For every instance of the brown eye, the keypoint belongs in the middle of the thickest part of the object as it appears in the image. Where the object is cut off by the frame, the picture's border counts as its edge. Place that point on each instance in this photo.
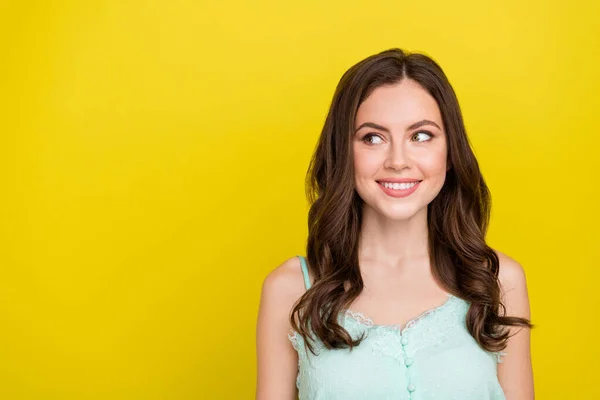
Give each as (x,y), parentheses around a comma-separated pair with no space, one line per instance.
(371,135)
(423,134)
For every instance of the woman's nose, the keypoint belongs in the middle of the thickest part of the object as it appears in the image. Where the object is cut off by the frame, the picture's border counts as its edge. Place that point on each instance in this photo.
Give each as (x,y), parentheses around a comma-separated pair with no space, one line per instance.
(397,157)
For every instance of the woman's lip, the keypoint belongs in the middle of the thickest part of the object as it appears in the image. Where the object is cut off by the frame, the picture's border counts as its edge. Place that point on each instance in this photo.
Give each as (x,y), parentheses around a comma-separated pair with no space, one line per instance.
(399,192)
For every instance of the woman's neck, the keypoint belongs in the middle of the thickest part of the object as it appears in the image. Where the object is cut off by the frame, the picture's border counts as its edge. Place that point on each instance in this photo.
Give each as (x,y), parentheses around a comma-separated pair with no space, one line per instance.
(393,242)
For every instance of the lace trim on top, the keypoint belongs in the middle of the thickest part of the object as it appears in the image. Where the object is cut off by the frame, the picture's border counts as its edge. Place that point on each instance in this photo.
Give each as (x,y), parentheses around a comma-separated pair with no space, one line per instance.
(368,322)
(498,355)
(293,336)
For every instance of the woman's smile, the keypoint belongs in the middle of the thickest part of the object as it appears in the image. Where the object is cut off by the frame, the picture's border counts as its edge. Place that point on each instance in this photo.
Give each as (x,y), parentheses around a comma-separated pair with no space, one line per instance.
(397,189)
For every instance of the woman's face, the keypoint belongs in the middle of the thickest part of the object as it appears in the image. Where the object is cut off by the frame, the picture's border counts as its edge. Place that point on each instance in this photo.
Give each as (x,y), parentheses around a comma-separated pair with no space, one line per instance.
(399,142)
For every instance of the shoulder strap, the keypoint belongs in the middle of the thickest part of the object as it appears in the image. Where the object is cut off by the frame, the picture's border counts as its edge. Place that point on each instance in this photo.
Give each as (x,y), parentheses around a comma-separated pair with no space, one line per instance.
(305,272)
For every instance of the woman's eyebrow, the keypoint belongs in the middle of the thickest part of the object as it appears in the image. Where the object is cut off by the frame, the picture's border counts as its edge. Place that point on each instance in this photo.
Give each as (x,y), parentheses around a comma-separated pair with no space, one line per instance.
(421,123)
(413,126)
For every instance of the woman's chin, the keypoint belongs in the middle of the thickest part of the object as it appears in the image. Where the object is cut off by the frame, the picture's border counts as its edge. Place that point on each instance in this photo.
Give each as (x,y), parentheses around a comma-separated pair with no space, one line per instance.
(400,214)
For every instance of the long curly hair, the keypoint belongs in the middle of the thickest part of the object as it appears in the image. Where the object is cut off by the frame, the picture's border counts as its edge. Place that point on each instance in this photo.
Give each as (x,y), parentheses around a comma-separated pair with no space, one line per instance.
(457,218)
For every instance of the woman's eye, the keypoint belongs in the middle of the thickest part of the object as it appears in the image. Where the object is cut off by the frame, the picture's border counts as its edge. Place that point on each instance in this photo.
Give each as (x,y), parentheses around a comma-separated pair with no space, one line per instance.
(423,135)
(367,139)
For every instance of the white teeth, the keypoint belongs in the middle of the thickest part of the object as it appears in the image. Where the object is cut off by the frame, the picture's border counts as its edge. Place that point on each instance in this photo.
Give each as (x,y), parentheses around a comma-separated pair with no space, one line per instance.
(399,186)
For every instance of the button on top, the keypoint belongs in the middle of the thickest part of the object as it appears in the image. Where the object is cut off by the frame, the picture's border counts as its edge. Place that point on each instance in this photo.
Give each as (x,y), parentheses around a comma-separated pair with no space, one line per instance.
(404,340)
(411,387)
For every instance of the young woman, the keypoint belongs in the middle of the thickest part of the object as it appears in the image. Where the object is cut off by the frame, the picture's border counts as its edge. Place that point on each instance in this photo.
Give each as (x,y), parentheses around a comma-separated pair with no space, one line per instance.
(399,296)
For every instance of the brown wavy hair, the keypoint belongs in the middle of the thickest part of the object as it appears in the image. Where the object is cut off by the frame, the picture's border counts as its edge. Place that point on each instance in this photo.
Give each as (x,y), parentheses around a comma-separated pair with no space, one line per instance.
(457,218)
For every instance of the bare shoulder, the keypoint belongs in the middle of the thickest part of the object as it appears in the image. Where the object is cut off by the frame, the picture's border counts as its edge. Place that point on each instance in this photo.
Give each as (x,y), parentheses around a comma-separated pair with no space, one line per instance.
(515,372)
(511,273)
(513,283)
(284,284)
(277,361)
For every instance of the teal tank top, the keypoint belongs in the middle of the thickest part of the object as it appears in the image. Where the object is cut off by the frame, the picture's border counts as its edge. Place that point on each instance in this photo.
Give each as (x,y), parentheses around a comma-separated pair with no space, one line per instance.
(433,357)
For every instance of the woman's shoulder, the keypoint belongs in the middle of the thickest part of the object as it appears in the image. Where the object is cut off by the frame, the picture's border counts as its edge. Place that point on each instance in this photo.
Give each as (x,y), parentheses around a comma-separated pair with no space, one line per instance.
(284,285)
(513,286)
(511,273)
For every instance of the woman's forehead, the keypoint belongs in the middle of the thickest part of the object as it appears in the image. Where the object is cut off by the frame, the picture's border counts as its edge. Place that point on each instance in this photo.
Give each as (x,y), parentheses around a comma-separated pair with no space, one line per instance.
(398,105)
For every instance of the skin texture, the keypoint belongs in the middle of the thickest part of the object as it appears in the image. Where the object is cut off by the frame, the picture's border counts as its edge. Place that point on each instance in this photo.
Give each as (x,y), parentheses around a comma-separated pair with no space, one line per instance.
(393,252)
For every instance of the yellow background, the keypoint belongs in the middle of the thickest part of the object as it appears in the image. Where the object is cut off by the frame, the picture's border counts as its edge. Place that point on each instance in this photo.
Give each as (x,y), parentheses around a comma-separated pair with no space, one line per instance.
(152,167)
